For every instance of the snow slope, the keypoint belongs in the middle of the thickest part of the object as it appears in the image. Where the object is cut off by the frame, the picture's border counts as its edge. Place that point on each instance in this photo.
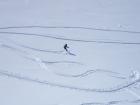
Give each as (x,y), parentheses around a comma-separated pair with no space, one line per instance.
(102,35)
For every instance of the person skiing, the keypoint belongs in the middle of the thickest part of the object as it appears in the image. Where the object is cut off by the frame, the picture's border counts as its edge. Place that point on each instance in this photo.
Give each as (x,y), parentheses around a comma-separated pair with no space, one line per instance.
(66,47)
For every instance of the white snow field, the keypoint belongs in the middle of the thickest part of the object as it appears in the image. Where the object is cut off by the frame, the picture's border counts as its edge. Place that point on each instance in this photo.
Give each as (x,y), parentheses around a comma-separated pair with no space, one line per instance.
(101,66)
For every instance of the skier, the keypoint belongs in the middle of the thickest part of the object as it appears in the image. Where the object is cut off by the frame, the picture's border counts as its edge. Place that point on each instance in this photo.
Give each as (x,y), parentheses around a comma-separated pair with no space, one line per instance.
(66,47)
(68,52)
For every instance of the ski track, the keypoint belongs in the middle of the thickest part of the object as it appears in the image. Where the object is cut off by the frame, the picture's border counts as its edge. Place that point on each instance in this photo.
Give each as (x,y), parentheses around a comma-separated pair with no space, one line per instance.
(57,62)
(113,102)
(90,72)
(34,58)
(105,90)
(84,74)
(69,39)
(31,48)
(71,27)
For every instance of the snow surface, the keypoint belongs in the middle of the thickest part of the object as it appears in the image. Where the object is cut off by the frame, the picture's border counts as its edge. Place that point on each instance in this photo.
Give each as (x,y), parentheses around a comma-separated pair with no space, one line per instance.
(104,41)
